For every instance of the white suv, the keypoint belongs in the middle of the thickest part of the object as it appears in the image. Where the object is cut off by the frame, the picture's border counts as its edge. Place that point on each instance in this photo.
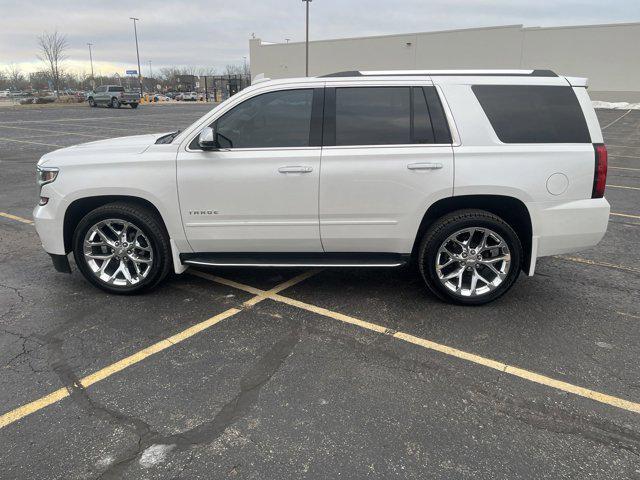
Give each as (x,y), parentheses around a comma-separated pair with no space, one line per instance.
(472,174)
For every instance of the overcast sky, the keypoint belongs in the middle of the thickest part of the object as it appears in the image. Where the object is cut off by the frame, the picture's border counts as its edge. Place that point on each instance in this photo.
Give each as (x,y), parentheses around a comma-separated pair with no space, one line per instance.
(213,33)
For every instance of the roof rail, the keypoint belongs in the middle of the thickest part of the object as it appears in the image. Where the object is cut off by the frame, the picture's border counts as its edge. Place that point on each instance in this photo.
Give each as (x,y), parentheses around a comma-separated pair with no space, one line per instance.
(453,73)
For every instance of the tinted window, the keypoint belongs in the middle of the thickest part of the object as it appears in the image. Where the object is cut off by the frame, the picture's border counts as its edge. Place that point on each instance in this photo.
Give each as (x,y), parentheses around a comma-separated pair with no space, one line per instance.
(373,116)
(438,119)
(533,114)
(275,119)
(422,130)
(101,89)
(116,89)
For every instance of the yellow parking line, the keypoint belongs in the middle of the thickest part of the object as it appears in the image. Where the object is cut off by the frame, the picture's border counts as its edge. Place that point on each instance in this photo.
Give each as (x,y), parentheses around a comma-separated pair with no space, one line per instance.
(624,168)
(623,186)
(33,143)
(16,218)
(626,215)
(447,350)
(137,357)
(598,263)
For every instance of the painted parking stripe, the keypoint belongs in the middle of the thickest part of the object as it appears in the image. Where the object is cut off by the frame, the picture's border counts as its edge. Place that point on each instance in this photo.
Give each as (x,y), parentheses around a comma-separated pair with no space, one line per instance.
(624,168)
(623,156)
(625,314)
(623,186)
(52,131)
(85,382)
(16,218)
(586,261)
(625,215)
(32,143)
(617,119)
(447,350)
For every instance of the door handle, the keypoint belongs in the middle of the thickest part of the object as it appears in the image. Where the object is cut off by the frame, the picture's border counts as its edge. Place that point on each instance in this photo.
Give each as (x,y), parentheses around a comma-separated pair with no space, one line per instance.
(295,169)
(424,166)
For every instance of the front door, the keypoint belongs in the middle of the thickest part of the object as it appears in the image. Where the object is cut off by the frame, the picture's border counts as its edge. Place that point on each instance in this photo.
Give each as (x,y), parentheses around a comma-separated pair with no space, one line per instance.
(387,158)
(259,191)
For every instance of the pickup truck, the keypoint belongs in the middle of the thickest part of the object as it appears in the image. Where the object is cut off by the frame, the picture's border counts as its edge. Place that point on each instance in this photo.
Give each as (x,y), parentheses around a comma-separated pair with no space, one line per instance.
(113,96)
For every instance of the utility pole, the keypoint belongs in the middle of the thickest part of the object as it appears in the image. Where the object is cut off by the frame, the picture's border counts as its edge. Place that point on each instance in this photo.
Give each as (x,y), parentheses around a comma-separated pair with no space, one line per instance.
(150,70)
(93,80)
(135,31)
(306,44)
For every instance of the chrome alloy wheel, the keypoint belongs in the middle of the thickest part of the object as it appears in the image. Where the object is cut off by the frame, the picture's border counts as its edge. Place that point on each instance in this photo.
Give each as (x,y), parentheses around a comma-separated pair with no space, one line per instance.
(473,262)
(118,252)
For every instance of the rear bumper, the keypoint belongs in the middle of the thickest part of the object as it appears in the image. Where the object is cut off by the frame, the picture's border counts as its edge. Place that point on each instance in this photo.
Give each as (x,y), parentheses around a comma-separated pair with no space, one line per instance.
(568,227)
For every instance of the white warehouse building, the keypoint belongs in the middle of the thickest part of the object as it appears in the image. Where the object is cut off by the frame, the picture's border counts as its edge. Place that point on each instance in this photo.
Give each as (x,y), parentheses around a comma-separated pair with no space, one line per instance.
(606,54)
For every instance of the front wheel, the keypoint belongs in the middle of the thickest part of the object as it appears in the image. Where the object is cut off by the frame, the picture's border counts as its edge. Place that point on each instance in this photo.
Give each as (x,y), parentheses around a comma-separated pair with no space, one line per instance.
(115,103)
(92,102)
(122,248)
(470,257)
(134,105)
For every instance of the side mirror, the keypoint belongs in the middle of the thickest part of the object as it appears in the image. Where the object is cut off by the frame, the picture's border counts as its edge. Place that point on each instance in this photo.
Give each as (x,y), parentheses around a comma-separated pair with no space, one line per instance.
(207,139)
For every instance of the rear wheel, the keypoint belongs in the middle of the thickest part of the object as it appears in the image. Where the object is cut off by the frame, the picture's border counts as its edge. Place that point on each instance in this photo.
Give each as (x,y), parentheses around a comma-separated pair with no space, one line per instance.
(134,105)
(122,248)
(470,257)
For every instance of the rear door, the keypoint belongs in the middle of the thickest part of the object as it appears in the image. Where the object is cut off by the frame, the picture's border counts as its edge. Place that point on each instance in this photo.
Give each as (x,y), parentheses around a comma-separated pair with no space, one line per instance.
(387,156)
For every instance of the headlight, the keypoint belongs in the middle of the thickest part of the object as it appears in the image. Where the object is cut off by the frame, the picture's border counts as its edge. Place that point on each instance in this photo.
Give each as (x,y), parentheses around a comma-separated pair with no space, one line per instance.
(46,175)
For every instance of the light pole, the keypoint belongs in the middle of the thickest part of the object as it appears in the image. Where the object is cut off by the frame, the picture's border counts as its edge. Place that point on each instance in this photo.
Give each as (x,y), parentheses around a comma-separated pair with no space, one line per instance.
(135,31)
(93,80)
(306,43)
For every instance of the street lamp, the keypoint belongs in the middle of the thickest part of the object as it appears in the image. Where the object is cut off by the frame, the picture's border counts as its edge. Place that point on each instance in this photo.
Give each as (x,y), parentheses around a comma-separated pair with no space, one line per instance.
(93,80)
(135,31)
(306,44)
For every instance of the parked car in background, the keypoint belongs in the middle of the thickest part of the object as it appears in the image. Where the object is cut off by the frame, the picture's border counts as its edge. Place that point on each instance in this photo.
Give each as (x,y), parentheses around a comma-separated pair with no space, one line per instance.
(113,96)
(189,97)
(354,169)
(5,93)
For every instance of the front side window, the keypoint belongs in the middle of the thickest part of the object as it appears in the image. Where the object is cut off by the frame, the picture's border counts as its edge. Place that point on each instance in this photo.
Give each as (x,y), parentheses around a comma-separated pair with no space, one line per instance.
(270,120)
(101,89)
(116,89)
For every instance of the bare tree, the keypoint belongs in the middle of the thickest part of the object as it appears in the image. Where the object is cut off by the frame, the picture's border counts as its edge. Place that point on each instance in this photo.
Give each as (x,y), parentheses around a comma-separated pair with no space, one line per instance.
(53,47)
(15,77)
(233,70)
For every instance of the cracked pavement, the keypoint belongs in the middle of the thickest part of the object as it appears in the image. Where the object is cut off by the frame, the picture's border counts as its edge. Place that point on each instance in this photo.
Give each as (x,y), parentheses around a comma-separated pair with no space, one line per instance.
(276,392)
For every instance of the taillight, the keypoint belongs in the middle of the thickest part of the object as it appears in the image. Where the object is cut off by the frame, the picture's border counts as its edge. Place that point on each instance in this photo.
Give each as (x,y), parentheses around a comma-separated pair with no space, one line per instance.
(600,172)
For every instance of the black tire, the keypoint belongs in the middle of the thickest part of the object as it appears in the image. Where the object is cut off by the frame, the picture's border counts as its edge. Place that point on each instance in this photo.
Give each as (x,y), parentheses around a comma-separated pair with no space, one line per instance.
(448,225)
(152,227)
(92,102)
(115,103)
(134,105)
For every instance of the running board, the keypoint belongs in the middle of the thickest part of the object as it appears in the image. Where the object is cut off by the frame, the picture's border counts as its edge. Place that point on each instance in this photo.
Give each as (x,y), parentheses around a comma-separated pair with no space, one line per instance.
(295,259)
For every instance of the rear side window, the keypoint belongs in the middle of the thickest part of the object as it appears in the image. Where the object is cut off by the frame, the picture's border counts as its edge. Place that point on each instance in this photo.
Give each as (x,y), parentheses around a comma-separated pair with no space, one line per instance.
(116,89)
(533,113)
(384,116)
(373,116)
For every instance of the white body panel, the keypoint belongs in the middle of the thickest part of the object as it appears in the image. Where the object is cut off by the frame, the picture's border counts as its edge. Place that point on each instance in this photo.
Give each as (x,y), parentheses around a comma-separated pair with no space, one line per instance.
(239,201)
(370,201)
(351,199)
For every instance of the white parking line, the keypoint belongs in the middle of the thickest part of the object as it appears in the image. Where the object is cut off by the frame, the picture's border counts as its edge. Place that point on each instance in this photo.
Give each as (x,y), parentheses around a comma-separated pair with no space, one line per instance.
(32,143)
(617,120)
(623,186)
(52,131)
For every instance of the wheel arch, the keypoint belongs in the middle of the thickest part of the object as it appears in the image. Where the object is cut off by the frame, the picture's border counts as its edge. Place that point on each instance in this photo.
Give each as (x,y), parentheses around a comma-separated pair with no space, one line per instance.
(81,206)
(510,209)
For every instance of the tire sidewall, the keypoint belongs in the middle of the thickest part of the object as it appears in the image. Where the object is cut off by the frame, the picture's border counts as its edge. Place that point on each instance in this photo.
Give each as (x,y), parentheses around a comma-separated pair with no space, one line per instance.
(430,251)
(78,250)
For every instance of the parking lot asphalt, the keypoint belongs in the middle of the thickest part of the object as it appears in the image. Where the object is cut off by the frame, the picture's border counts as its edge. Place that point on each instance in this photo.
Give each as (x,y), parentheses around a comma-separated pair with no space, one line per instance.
(276,373)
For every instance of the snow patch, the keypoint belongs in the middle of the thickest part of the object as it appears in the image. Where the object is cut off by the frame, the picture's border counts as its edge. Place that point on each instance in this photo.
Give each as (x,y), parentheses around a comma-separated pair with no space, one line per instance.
(616,105)
(155,454)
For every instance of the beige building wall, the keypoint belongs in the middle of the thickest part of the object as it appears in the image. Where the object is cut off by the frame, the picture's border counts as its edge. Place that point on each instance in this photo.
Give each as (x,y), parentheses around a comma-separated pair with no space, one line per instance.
(606,54)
